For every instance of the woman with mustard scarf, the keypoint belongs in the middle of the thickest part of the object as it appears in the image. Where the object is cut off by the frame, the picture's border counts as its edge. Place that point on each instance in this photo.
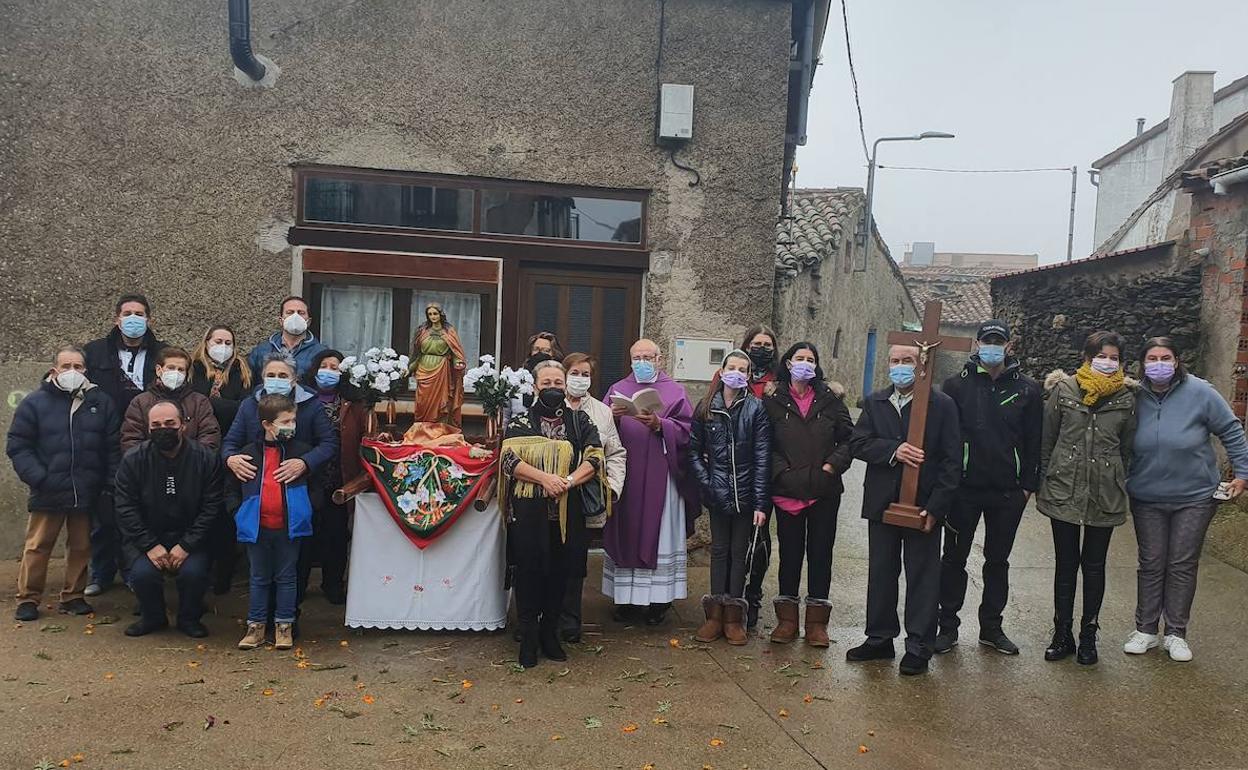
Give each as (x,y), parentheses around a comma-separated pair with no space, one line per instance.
(1089,430)
(552,472)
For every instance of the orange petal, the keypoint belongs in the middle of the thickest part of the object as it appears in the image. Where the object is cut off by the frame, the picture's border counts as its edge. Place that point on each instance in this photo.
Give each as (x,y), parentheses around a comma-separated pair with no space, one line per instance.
(519,700)
(659,721)
(467,683)
(862,749)
(110,677)
(267,692)
(344,643)
(674,643)
(79,757)
(808,699)
(360,685)
(717,742)
(556,737)
(631,727)
(319,702)
(784,713)
(303,664)
(370,700)
(63,763)
(192,664)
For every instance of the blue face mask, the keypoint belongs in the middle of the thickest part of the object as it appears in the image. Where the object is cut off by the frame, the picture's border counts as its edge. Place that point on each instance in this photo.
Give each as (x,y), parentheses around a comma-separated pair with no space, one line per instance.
(992,355)
(327,379)
(133,326)
(901,375)
(276,386)
(644,371)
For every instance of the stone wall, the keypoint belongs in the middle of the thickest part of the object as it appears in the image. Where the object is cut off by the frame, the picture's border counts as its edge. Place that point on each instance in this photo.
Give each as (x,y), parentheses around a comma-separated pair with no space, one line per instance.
(1219,223)
(134,161)
(1141,294)
(825,297)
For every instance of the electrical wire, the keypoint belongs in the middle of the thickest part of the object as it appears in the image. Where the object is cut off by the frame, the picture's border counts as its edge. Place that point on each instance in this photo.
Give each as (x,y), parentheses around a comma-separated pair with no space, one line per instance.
(697,176)
(977,170)
(853,77)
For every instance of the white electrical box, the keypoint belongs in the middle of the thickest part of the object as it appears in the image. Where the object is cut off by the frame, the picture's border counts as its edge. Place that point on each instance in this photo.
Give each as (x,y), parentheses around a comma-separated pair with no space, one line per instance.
(676,112)
(699,359)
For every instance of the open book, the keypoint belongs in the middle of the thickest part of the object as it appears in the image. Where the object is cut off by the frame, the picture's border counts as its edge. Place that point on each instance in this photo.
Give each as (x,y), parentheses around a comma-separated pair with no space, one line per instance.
(644,401)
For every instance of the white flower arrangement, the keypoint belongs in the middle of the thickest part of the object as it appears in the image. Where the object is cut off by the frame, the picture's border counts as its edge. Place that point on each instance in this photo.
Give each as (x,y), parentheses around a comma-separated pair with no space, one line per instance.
(496,389)
(379,373)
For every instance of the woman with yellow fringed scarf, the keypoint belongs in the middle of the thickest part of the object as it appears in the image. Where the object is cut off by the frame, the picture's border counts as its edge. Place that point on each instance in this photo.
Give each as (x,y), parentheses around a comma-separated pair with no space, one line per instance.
(552,471)
(1089,431)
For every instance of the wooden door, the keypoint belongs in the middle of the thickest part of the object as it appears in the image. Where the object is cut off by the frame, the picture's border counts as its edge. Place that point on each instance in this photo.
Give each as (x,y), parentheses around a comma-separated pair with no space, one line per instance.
(596,312)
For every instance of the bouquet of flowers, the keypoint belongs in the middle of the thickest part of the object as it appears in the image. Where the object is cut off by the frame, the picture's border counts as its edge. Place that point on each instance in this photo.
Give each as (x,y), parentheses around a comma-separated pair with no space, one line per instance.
(497,389)
(379,374)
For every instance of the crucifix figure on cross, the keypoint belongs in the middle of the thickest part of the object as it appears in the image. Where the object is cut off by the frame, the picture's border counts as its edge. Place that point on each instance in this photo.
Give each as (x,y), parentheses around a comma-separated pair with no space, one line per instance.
(904,512)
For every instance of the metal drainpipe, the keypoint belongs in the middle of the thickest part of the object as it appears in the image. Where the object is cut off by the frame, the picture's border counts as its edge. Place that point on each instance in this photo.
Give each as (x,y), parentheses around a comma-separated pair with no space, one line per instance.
(240,41)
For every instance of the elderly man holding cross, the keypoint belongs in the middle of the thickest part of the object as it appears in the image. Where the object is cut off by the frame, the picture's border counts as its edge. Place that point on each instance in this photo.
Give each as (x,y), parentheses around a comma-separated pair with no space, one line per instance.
(908,435)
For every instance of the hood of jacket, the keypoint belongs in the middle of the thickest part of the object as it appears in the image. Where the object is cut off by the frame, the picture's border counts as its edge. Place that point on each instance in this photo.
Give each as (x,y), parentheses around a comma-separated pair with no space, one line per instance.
(1059,376)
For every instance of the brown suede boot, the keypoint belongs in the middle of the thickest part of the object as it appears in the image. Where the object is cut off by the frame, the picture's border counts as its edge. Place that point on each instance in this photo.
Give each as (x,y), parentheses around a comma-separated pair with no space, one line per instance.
(254,637)
(734,620)
(713,628)
(786,620)
(817,614)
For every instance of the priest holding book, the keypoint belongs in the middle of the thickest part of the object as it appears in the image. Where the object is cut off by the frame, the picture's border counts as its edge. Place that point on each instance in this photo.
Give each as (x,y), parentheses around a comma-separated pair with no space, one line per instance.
(644,568)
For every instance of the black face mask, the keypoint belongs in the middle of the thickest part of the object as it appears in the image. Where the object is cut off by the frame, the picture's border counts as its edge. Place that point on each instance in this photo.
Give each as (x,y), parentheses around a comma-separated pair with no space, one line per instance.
(762,357)
(165,439)
(536,359)
(550,400)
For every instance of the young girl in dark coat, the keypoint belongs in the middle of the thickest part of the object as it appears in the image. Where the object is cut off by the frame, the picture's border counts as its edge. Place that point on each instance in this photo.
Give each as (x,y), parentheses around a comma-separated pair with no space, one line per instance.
(730,455)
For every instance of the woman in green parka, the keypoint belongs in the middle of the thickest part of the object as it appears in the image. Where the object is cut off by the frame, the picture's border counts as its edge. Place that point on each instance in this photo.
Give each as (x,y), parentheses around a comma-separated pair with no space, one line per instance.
(1089,429)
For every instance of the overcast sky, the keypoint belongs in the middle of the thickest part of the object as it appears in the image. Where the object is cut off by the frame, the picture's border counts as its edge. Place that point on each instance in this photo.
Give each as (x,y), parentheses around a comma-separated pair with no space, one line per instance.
(1022,84)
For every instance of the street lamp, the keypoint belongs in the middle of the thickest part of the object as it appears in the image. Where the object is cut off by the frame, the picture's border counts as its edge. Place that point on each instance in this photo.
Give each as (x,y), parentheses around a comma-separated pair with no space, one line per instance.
(864,231)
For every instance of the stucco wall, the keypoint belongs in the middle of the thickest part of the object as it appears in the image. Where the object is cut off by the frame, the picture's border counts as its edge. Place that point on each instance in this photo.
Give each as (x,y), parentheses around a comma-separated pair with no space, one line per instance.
(133,160)
(821,299)
(1125,183)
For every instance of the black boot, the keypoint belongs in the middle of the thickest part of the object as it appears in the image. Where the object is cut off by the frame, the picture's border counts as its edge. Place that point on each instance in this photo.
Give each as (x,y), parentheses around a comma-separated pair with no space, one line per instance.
(1063,644)
(528,644)
(1087,644)
(548,639)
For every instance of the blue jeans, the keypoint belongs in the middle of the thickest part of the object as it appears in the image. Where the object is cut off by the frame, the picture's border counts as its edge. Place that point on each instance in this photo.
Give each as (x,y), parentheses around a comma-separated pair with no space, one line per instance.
(274,561)
(105,544)
(149,586)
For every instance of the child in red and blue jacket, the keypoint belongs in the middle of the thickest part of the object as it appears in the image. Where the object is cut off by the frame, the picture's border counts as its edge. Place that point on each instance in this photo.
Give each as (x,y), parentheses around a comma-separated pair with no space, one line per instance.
(276,512)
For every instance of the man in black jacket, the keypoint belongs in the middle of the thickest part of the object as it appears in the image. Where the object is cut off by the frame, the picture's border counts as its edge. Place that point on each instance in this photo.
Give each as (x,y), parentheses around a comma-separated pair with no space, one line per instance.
(168,494)
(122,364)
(63,444)
(880,441)
(1000,411)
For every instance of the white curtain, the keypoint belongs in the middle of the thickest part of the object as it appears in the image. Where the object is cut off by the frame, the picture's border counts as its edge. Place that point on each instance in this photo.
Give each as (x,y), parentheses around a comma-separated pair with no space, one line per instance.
(462,310)
(356,318)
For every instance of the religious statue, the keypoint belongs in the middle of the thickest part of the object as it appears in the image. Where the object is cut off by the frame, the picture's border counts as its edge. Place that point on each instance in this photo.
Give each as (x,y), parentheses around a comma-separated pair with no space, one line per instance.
(438,366)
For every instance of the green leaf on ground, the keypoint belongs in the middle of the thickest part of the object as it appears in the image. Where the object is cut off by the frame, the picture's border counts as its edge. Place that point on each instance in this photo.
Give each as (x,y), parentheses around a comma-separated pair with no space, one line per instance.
(664,706)
(429,722)
(41,655)
(593,723)
(52,629)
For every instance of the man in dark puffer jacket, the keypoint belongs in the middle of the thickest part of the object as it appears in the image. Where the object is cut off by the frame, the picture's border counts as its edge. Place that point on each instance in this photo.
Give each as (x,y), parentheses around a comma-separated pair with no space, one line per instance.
(64,445)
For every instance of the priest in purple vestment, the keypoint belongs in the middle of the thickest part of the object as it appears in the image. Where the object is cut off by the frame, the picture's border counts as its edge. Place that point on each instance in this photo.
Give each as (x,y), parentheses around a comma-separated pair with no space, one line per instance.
(645,538)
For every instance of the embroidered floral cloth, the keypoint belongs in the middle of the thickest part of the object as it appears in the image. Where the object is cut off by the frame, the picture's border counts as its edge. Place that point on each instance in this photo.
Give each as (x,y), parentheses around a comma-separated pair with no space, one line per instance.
(425,489)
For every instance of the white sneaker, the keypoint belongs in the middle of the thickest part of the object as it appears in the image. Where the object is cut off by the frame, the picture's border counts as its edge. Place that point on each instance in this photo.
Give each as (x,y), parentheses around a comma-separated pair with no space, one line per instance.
(1178,649)
(93,589)
(1140,643)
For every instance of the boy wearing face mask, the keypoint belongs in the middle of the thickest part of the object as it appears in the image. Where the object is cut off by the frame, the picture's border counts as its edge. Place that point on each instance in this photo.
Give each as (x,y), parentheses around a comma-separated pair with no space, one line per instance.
(1001,414)
(63,445)
(173,367)
(271,520)
(294,339)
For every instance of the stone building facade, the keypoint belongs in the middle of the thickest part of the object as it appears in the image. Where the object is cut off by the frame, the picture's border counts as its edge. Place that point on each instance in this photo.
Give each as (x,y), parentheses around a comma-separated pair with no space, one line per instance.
(830,292)
(501,155)
(1138,293)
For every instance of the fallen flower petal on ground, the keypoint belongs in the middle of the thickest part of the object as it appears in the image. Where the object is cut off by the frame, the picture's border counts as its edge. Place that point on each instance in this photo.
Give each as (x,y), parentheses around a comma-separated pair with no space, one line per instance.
(717,741)
(862,749)
(631,727)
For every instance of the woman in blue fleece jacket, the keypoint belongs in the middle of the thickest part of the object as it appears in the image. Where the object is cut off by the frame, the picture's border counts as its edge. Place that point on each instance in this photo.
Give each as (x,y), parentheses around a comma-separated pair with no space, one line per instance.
(1174,474)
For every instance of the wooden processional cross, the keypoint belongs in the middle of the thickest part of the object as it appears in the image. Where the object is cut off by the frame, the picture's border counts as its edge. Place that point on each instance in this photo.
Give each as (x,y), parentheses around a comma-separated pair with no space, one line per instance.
(904,512)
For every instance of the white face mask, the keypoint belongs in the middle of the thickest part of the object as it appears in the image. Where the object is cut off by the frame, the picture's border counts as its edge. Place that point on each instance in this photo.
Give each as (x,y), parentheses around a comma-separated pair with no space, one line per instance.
(295,324)
(172,378)
(70,380)
(578,385)
(221,353)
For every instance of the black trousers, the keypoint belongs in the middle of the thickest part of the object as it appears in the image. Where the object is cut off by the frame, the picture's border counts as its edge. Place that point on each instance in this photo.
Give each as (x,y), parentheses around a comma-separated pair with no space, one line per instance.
(759,564)
(888,549)
(1072,556)
(1001,511)
(540,580)
(810,534)
(328,547)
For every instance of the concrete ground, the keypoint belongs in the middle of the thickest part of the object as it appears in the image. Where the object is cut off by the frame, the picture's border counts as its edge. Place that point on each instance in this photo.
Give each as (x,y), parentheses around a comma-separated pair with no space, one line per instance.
(630,697)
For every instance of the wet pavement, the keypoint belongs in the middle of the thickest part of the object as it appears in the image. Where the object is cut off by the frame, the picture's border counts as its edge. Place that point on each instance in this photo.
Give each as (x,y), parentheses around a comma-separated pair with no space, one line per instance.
(633,697)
